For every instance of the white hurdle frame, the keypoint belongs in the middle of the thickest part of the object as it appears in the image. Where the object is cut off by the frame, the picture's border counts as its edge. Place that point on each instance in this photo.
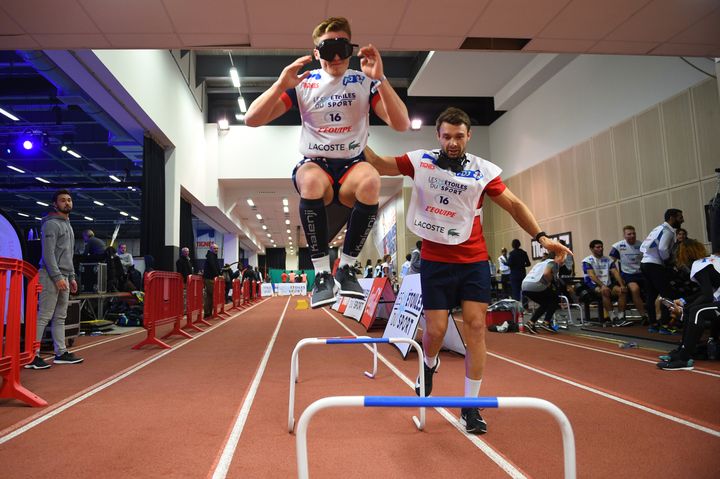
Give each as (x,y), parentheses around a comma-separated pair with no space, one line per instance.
(568,437)
(295,367)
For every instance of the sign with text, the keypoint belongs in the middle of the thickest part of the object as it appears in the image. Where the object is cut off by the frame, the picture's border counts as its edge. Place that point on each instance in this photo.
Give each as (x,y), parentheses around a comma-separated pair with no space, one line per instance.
(381,295)
(355,308)
(406,312)
(538,251)
(266,290)
(291,289)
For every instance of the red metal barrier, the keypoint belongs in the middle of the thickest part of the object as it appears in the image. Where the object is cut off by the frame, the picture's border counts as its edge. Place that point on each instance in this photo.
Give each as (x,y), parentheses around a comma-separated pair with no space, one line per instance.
(11,357)
(246,291)
(194,302)
(218,306)
(258,292)
(237,299)
(163,305)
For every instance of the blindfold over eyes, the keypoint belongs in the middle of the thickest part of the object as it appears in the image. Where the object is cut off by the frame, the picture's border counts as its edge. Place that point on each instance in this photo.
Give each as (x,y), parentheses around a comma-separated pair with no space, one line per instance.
(331,47)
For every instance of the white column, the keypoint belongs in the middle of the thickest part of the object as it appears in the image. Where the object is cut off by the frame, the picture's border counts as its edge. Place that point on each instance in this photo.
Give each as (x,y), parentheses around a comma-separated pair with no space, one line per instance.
(230,248)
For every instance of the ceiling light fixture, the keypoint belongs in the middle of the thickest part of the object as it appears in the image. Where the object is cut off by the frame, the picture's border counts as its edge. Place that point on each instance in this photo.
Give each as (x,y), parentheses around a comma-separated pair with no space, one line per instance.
(15,169)
(287,222)
(269,235)
(42,180)
(115,178)
(9,115)
(124,214)
(88,218)
(264,227)
(286,209)
(64,148)
(24,215)
(415,124)
(72,153)
(135,218)
(250,202)
(241,104)
(234,75)
(98,203)
(285,201)
(41,203)
(258,216)
(223,124)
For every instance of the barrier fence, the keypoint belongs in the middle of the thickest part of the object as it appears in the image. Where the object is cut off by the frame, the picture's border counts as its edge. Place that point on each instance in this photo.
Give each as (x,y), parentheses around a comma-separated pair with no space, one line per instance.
(163,305)
(194,302)
(456,402)
(12,358)
(295,367)
(218,303)
(237,298)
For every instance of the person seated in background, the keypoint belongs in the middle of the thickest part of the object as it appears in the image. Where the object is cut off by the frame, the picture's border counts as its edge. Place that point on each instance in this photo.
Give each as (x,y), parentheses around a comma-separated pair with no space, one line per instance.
(627,253)
(688,252)
(541,286)
(125,258)
(604,282)
(704,306)
(94,246)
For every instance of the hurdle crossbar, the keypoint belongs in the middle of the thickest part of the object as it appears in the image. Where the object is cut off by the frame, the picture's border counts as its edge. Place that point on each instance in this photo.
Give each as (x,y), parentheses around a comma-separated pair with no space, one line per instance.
(455,402)
(295,367)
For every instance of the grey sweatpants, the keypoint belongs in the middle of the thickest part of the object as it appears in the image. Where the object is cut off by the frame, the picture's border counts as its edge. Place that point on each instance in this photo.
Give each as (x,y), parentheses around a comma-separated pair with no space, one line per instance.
(53,305)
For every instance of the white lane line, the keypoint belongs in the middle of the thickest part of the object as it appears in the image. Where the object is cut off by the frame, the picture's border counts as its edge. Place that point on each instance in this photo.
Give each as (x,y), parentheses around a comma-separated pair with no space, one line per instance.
(495,456)
(92,390)
(226,457)
(612,353)
(612,397)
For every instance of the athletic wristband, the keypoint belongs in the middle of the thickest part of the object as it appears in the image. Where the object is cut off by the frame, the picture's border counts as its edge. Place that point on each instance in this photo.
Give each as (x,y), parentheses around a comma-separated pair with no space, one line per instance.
(381,79)
(540,235)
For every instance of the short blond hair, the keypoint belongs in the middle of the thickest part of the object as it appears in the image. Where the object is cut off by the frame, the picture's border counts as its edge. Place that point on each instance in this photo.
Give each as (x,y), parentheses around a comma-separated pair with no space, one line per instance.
(332,24)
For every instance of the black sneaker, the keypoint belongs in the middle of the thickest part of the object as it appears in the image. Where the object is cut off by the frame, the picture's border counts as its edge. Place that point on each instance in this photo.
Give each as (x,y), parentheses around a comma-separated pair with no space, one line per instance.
(530,327)
(349,285)
(324,290)
(551,328)
(677,365)
(428,378)
(37,363)
(67,358)
(472,420)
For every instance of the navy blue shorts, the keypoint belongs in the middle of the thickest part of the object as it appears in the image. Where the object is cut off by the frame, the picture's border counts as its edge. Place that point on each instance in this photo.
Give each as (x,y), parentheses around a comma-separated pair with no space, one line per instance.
(633,278)
(335,168)
(446,285)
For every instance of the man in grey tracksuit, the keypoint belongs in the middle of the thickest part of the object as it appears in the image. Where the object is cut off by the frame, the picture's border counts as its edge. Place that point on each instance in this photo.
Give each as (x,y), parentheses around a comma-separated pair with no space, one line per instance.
(57,278)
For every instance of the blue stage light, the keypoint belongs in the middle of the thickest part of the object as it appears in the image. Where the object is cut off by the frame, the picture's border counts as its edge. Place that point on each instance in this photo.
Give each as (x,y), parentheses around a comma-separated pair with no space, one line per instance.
(27,144)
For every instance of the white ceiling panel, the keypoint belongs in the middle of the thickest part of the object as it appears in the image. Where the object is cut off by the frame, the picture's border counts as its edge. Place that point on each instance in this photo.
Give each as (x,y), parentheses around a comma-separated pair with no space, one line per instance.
(39,16)
(128,16)
(433,18)
(364,16)
(623,48)
(144,40)
(72,41)
(559,45)
(8,25)
(662,19)
(515,18)
(683,49)
(418,42)
(18,42)
(269,40)
(707,30)
(590,19)
(282,17)
(467,73)
(208,16)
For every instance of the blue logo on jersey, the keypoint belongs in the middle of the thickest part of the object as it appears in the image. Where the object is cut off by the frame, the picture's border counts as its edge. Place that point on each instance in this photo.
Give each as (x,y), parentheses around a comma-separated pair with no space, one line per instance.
(474,174)
(314,76)
(353,79)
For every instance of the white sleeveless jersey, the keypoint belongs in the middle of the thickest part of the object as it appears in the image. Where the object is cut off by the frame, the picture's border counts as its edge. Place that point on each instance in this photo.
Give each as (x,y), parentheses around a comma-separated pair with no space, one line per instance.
(334,112)
(697,266)
(535,279)
(630,256)
(658,245)
(601,266)
(443,204)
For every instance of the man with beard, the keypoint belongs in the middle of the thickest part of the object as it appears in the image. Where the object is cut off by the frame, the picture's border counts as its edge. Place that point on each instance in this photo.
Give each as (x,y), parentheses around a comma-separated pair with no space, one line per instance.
(655,267)
(57,278)
(449,186)
(334,102)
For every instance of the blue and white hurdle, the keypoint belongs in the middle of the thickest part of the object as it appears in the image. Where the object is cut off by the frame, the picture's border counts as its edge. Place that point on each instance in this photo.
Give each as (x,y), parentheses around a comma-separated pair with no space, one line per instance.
(455,402)
(295,367)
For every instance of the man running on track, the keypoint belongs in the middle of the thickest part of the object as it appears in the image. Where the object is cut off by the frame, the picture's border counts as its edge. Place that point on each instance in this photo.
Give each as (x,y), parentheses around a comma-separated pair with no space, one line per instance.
(334,103)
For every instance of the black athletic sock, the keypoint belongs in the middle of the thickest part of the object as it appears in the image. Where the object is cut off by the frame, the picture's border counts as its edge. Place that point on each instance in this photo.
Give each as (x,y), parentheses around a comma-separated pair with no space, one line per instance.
(314,220)
(362,219)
